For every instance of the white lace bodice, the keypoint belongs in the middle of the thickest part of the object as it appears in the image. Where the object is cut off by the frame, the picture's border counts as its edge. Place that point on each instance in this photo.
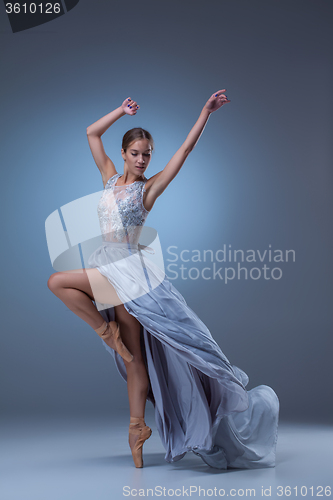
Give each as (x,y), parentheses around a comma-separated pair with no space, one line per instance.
(121,212)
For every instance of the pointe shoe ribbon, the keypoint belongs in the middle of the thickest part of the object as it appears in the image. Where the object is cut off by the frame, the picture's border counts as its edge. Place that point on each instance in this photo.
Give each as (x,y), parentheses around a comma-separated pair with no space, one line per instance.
(138,426)
(111,331)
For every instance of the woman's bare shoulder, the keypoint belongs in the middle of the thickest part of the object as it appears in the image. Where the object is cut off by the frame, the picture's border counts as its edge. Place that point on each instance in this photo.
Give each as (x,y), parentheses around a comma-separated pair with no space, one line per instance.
(107,178)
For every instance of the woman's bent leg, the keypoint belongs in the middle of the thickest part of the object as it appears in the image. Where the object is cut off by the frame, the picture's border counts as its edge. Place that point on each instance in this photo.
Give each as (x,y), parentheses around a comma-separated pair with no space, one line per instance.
(77,289)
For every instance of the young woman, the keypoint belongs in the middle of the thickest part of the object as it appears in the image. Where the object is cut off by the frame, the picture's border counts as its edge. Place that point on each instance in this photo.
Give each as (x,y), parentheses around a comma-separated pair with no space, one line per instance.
(161,347)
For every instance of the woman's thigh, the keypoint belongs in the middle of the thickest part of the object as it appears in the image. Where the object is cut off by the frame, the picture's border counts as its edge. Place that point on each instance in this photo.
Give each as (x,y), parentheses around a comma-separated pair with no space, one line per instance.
(89,281)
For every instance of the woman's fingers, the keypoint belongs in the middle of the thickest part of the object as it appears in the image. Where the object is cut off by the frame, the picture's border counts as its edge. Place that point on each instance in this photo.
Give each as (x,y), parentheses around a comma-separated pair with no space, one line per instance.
(216,100)
(220,97)
(132,106)
(218,93)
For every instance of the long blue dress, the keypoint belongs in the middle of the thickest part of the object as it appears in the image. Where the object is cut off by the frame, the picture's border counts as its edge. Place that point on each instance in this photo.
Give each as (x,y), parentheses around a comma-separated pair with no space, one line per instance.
(200,400)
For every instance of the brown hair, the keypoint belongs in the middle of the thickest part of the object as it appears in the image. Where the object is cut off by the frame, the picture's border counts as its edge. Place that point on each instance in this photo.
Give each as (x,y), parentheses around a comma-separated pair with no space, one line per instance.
(136,134)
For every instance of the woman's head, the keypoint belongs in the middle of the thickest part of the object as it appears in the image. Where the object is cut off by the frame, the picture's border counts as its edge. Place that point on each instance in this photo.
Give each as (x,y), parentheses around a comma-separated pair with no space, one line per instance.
(137,147)
(134,135)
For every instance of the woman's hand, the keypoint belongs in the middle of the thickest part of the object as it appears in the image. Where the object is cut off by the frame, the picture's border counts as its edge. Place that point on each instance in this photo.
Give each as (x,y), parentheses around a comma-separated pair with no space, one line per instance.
(216,101)
(129,106)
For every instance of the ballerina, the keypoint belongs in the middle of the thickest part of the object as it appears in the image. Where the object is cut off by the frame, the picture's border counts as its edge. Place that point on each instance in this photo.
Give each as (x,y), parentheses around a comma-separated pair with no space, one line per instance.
(155,337)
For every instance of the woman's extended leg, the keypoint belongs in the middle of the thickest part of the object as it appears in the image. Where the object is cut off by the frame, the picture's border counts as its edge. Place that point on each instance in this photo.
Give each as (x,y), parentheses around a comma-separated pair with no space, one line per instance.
(137,378)
(137,382)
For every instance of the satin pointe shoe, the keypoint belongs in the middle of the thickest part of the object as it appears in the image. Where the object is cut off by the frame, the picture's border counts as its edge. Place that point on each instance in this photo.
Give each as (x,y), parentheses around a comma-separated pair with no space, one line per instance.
(137,426)
(110,331)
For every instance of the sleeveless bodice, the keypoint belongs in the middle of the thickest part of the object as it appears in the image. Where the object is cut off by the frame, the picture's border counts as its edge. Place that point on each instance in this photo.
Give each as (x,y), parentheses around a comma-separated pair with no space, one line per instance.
(121,212)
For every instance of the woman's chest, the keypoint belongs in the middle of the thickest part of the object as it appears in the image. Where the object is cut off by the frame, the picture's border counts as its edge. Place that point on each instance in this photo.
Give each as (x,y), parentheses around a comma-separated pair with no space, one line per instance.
(127,206)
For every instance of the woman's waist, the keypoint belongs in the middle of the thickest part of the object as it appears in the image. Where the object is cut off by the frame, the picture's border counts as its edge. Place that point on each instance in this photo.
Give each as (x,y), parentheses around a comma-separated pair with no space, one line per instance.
(128,245)
(120,244)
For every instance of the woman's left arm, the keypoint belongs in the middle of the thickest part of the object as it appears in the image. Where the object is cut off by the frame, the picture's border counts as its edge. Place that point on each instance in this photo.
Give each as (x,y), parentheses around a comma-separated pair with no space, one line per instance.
(158,183)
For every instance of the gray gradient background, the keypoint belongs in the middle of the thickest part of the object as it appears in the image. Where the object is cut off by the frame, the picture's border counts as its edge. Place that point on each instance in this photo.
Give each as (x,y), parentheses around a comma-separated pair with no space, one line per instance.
(261,174)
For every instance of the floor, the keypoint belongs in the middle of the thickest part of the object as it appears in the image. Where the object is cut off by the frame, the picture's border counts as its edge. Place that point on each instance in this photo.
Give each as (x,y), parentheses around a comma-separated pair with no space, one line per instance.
(89,459)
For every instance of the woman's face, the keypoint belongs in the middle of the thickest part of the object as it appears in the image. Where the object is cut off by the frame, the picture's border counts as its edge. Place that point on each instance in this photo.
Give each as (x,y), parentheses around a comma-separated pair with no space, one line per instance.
(137,156)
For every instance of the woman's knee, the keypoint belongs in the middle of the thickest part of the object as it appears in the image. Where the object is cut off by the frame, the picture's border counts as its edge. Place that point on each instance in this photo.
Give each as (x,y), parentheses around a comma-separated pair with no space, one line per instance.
(137,373)
(54,281)
(137,365)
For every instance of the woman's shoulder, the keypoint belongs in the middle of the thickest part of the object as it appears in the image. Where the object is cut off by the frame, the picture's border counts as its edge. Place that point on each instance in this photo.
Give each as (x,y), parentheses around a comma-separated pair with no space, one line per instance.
(111,180)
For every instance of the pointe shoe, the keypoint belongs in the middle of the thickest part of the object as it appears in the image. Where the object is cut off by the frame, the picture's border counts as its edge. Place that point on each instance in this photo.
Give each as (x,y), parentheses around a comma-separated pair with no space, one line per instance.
(110,331)
(137,426)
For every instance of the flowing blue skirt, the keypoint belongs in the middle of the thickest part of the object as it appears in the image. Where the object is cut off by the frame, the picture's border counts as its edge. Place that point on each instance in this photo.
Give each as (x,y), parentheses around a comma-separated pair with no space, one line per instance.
(200,400)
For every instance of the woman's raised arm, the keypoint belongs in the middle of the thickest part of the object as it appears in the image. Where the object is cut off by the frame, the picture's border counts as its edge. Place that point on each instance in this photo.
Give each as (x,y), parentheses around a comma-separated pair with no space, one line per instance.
(157,184)
(97,129)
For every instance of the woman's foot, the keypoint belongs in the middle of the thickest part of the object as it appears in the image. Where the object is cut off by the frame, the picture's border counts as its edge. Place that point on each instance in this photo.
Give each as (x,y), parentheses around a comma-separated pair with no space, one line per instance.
(139,432)
(110,333)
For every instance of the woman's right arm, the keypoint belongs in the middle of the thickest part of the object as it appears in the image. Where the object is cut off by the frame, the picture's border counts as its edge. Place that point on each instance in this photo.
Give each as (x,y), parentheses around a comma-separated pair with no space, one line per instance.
(97,129)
